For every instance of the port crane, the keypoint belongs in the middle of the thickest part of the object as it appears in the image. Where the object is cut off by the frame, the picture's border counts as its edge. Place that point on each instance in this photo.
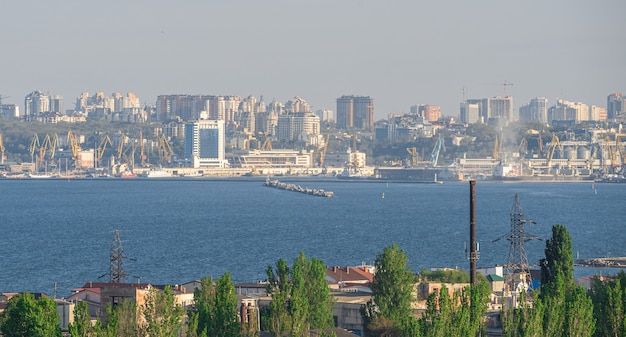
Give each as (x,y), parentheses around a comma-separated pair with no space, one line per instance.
(413,153)
(102,148)
(324,150)
(2,150)
(554,144)
(165,150)
(34,146)
(439,145)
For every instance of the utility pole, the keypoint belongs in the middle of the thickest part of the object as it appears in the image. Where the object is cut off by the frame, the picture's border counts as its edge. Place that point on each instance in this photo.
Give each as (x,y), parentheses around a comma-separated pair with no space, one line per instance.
(473,253)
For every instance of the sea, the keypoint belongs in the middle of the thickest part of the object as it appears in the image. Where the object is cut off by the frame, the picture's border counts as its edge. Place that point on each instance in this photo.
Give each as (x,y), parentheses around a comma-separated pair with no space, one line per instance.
(57,234)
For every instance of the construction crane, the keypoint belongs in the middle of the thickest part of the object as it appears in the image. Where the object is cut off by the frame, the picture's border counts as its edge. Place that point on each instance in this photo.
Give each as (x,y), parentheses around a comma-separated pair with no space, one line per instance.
(3,97)
(413,153)
(2,150)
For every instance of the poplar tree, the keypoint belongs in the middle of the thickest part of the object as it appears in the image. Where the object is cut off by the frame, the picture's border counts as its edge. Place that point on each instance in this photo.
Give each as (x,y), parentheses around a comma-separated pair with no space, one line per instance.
(81,327)
(25,316)
(215,312)
(162,314)
(393,283)
(609,298)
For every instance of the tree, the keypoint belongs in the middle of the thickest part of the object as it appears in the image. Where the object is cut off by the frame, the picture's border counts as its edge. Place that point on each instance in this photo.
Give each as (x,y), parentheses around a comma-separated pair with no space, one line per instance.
(25,316)
(215,312)
(609,301)
(393,283)
(559,257)
(564,308)
(279,288)
(81,327)
(162,314)
(321,302)
(122,320)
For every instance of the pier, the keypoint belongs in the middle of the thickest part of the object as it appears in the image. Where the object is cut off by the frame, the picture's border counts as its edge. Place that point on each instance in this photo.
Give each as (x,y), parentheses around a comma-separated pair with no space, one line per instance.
(615,262)
(297,188)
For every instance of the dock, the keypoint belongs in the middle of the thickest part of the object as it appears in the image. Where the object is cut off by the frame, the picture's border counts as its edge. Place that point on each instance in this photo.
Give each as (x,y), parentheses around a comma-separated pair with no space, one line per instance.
(297,188)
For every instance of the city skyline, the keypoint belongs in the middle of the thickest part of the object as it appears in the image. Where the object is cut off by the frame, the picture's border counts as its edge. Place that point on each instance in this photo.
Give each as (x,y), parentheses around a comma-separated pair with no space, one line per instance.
(399,53)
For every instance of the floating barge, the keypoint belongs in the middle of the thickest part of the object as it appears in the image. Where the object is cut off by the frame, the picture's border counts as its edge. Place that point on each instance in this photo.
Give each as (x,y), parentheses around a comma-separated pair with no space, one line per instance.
(297,188)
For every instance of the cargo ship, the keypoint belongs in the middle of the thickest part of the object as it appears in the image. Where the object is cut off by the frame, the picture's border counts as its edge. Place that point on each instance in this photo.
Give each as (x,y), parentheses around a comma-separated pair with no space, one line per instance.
(418,174)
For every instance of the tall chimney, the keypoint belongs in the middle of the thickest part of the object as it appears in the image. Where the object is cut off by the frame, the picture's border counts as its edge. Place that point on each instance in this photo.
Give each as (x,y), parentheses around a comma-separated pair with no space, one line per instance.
(473,255)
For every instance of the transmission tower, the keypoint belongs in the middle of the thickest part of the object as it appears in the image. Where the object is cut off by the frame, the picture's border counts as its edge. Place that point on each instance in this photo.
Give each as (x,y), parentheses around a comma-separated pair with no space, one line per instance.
(117,257)
(518,276)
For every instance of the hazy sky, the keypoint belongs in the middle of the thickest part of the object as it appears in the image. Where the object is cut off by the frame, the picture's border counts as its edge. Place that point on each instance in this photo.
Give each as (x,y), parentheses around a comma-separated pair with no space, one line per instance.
(399,52)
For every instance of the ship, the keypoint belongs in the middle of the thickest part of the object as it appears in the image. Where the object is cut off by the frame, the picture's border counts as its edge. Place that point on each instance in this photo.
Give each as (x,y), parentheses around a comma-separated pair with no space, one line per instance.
(157,174)
(417,174)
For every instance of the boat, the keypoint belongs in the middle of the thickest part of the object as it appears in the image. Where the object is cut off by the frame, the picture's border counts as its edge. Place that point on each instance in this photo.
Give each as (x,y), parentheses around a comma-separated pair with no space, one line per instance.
(127,175)
(39,176)
(157,174)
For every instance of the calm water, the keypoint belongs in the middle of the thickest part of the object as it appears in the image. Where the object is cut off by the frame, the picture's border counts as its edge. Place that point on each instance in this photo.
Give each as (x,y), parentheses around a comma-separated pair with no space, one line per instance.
(179,230)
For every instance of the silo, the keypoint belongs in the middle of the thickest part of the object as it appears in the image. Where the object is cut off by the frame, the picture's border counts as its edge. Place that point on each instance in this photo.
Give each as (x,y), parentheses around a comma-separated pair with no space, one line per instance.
(584,153)
(570,152)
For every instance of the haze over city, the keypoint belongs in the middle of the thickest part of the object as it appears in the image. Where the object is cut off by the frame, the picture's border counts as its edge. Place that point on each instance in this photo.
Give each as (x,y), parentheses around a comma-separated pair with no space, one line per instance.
(400,53)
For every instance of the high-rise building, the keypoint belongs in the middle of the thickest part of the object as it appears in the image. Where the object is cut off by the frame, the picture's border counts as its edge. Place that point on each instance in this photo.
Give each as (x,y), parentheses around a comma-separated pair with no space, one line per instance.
(35,104)
(355,112)
(298,126)
(10,110)
(569,111)
(205,142)
(615,106)
(535,111)
(500,108)
(469,113)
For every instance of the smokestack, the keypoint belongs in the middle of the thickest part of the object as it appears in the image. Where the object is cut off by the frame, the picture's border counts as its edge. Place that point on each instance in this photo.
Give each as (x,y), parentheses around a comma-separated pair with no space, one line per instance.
(473,255)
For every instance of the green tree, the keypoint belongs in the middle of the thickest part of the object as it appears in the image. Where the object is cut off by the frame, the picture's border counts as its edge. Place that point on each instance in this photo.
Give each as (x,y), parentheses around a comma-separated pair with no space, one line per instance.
(162,314)
(279,287)
(81,327)
(321,302)
(559,258)
(215,312)
(25,316)
(393,283)
(121,320)
(564,308)
(610,305)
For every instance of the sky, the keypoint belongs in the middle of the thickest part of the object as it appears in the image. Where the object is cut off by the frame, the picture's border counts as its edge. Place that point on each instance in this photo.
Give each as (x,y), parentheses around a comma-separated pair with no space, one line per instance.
(399,52)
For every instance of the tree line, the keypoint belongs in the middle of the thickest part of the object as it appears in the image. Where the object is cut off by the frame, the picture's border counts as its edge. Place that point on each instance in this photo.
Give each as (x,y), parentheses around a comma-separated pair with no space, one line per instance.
(301,301)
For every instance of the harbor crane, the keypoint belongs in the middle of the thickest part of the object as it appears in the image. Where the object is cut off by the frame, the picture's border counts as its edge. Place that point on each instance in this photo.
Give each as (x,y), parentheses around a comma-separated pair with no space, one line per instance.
(34,146)
(165,150)
(413,153)
(2,150)
(102,148)
(324,150)
(439,145)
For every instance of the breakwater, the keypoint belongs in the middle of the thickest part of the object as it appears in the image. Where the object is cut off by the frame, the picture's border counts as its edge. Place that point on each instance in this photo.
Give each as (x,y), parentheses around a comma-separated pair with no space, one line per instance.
(297,188)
